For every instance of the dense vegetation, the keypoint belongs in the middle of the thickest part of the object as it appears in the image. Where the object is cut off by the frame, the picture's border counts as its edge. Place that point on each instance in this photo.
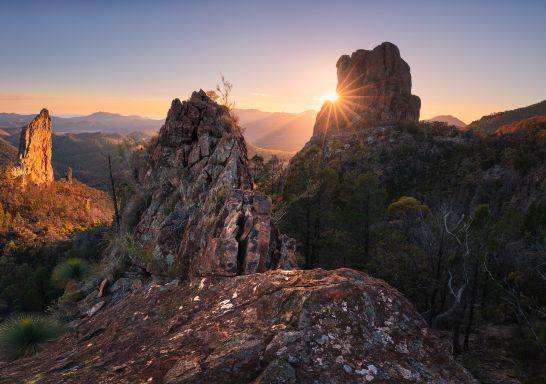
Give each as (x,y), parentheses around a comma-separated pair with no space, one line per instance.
(454,221)
(41,226)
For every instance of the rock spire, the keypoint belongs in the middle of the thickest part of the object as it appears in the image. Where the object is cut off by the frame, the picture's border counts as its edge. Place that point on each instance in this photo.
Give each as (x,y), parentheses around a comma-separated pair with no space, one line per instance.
(34,158)
(374,88)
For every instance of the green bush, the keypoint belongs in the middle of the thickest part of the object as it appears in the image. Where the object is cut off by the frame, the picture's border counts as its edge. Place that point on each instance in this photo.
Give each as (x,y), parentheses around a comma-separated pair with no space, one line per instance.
(24,335)
(70,270)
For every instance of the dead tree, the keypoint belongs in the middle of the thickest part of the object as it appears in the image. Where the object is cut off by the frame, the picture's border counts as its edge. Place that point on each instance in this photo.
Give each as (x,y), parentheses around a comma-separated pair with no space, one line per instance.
(114,198)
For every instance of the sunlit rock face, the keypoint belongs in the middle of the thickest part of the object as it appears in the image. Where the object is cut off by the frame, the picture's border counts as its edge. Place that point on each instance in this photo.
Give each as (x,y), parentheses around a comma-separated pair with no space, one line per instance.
(34,158)
(374,88)
(200,216)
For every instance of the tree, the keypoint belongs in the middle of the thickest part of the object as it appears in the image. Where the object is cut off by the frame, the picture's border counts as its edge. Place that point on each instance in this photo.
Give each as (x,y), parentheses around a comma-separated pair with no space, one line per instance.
(257,169)
(224,89)
(365,209)
(212,95)
(273,170)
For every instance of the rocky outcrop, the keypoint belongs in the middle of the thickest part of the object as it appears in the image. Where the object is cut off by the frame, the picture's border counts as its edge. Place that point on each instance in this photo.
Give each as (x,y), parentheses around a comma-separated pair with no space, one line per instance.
(198,215)
(276,327)
(374,88)
(34,158)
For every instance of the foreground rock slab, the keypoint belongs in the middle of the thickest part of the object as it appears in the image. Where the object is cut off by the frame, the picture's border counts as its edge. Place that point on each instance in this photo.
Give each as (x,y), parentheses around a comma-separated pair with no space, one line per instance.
(313,326)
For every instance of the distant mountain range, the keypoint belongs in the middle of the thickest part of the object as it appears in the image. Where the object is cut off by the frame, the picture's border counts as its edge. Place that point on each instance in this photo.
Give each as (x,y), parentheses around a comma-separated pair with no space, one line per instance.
(277,130)
(8,153)
(449,120)
(97,122)
(490,123)
(280,131)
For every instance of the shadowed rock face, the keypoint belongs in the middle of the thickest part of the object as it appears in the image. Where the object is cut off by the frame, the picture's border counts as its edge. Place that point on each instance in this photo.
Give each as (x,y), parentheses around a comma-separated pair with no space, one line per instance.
(374,88)
(200,216)
(34,158)
(302,327)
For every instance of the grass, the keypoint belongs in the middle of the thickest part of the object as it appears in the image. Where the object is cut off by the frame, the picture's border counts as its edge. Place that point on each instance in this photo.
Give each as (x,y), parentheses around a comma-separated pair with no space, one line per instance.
(26,334)
(70,270)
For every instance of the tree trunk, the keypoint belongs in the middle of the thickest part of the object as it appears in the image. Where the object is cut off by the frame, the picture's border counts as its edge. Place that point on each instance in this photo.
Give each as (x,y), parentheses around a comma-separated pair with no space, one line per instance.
(473,295)
(436,281)
(308,256)
(114,198)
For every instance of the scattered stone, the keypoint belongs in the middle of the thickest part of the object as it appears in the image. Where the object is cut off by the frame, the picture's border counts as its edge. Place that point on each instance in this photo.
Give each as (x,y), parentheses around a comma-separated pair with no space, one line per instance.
(69,175)
(95,308)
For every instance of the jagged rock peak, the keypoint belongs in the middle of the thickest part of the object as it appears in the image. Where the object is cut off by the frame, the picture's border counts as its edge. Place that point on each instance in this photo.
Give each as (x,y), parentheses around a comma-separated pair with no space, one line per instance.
(34,158)
(198,214)
(374,88)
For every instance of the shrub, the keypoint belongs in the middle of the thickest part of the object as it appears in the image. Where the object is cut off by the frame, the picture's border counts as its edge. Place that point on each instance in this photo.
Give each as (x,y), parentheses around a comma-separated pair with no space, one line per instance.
(70,270)
(24,335)
(407,207)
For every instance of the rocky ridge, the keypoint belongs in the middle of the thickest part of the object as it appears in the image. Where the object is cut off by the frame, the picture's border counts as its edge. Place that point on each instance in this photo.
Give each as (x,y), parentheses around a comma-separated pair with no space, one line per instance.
(34,157)
(197,214)
(374,88)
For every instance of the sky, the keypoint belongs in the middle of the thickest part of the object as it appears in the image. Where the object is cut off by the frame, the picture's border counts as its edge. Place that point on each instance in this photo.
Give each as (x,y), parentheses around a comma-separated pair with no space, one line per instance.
(467,58)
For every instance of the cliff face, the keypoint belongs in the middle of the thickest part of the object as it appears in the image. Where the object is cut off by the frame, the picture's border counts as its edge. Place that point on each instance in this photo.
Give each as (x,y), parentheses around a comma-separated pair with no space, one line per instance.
(198,213)
(34,157)
(374,88)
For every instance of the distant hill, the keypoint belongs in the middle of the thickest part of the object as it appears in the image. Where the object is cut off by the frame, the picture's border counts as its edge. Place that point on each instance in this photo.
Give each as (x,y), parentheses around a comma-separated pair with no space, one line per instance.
(449,120)
(96,122)
(14,120)
(531,124)
(277,130)
(268,153)
(489,124)
(8,153)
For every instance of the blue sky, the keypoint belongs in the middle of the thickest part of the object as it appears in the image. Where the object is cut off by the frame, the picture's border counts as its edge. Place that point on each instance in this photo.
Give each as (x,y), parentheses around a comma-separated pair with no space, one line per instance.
(468,58)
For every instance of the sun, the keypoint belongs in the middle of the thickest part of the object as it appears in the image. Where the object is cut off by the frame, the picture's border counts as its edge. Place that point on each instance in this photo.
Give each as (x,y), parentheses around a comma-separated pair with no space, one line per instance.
(331,97)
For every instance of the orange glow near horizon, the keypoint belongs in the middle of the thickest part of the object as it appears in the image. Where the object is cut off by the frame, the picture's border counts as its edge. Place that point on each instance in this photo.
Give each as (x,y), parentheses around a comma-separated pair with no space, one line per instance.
(156,108)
